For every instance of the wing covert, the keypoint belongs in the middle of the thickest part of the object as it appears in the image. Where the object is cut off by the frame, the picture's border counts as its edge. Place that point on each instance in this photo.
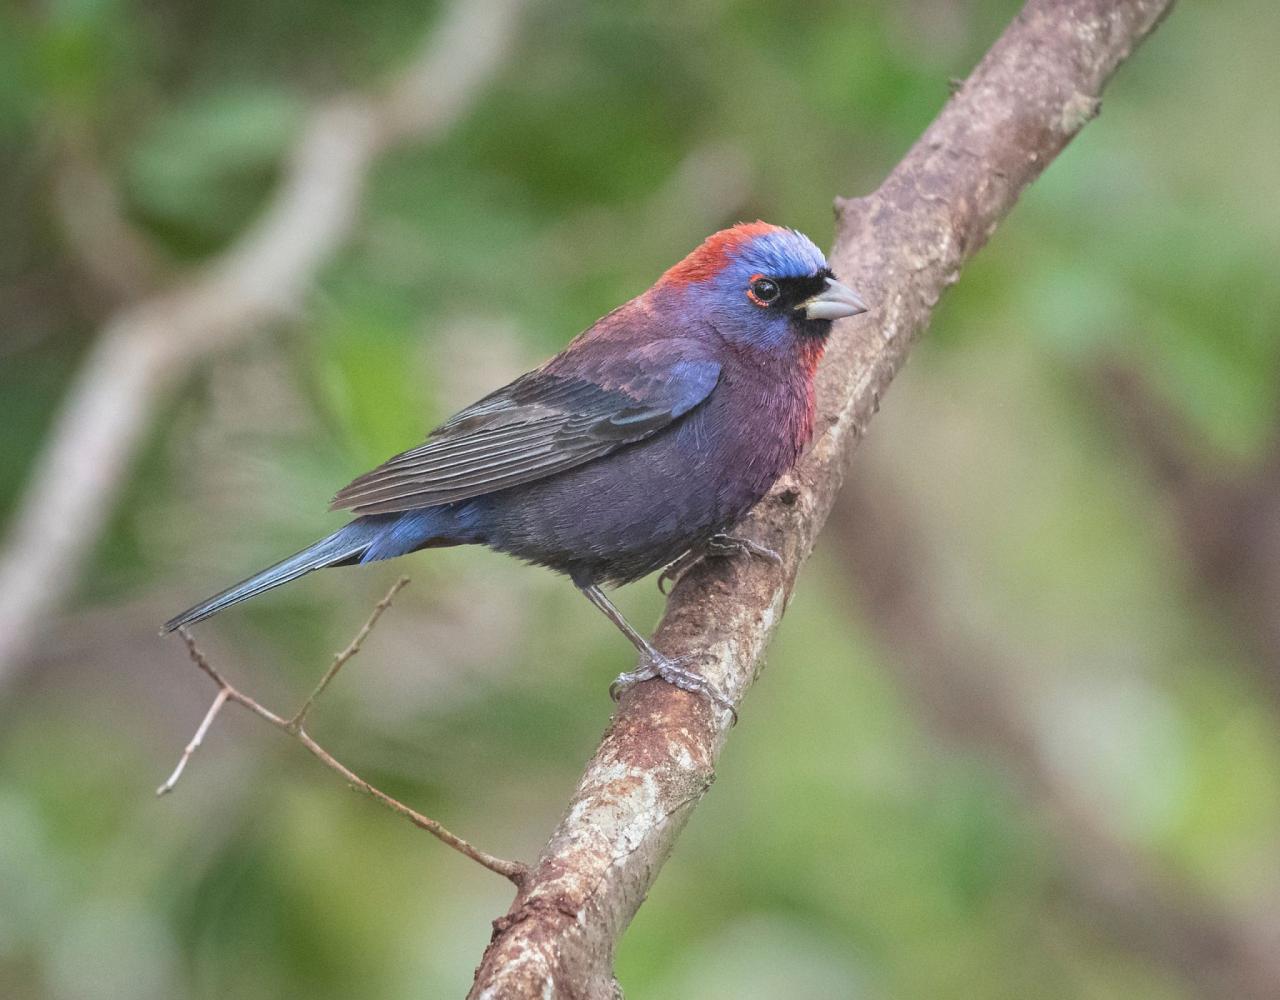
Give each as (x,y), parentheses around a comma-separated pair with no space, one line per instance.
(541,424)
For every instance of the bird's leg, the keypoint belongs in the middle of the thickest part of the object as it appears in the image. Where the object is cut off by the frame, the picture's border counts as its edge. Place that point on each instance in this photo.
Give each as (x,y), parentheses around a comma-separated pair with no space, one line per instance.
(719,546)
(656,664)
(724,545)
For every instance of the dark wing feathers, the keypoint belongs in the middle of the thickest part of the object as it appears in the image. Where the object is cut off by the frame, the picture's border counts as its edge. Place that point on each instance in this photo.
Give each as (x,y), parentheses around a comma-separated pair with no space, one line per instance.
(541,424)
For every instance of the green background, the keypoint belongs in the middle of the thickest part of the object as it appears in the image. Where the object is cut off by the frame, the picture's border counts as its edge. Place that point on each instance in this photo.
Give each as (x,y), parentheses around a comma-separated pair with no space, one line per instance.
(853,845)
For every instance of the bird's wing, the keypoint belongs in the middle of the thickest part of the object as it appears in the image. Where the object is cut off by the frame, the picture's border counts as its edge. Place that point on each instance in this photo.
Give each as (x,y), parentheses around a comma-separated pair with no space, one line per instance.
(542,423)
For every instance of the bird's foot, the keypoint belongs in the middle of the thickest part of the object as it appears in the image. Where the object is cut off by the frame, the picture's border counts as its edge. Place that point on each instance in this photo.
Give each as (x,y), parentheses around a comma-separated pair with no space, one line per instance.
(718,546)
(671,671)
(724,546)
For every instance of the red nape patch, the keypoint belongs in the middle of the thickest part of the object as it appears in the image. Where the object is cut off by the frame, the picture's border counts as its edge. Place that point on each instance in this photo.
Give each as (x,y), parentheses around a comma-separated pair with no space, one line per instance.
(710,258)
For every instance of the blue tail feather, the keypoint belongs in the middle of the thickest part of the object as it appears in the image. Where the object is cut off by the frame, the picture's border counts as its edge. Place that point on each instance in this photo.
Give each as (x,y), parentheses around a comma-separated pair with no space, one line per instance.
(345,544)
(404,533)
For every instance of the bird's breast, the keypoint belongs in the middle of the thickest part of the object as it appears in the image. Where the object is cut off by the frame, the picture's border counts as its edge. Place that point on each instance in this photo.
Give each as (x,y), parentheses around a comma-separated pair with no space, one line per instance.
(761,428)
(638,508)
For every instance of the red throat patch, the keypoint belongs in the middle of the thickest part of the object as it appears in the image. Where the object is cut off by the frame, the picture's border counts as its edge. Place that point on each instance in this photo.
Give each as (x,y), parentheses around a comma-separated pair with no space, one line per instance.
(712,255)
(810,355)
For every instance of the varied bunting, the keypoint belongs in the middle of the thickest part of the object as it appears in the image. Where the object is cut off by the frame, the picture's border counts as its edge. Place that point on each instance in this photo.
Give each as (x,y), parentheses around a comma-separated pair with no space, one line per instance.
(633,449)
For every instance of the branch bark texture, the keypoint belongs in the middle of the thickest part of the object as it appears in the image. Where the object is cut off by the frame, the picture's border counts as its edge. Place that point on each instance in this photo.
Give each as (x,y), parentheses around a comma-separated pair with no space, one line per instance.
(901,247)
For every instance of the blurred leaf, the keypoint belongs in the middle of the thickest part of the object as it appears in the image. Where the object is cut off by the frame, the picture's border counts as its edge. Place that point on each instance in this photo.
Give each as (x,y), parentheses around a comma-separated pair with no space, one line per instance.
(81,46)
(368,370)
(203,168)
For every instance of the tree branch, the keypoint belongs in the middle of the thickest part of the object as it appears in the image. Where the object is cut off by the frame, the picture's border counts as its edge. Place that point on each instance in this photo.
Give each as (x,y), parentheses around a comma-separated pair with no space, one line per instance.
(146,350)
(513,870)
(117,258)
(901,248)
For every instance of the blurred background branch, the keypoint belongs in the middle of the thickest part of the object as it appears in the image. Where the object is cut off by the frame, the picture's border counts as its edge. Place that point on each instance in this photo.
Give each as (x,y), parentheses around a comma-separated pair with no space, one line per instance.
(1225,514)
(966,688)
(118,259)
(144,352)
(902,246)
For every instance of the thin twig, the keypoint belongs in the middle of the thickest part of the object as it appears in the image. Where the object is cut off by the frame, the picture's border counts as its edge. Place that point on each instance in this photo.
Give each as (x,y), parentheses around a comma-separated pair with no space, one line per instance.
(219,700)
(515,871)
(353,647)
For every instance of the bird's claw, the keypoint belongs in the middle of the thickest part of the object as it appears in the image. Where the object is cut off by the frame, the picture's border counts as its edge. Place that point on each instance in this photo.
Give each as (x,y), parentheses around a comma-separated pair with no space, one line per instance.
(724,546)
(673,673)
(719,546)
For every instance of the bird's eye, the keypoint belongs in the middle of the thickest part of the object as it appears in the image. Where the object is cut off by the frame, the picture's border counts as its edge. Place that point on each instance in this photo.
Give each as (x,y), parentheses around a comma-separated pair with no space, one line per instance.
(763,291)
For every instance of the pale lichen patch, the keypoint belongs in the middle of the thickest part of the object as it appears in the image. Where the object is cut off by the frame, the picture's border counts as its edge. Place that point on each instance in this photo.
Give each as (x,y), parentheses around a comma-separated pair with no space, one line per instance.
(1077,112)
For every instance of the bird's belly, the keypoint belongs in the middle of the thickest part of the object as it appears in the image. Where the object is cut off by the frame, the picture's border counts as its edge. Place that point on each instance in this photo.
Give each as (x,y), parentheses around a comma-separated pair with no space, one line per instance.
(635,510)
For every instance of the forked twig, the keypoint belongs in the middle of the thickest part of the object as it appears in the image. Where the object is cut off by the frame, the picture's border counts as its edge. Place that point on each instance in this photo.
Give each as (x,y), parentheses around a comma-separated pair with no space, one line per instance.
(353,647)
(293,725)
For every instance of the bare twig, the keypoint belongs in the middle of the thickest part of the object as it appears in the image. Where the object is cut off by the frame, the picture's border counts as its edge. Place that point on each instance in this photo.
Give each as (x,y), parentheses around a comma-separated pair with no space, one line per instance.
(146,350)
(901,247)
(512,870)
(219,700)
(353,647)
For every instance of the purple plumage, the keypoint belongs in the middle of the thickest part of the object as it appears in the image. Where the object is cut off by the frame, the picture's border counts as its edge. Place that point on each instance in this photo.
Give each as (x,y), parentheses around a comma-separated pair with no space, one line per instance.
(651,433)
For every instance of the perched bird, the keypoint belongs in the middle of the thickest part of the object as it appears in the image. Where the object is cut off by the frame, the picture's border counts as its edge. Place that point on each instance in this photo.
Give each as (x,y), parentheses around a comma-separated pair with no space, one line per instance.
(634,448)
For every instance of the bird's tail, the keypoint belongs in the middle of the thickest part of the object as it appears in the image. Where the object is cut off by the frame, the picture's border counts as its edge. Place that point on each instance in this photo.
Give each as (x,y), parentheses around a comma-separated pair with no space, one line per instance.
(344,545)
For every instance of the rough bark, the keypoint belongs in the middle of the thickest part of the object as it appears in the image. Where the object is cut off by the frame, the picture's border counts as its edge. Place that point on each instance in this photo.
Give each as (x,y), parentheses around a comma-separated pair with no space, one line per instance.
(901,247)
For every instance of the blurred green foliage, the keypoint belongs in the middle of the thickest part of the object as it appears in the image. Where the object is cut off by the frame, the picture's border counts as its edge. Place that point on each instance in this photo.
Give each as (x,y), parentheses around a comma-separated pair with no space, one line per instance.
(846,850)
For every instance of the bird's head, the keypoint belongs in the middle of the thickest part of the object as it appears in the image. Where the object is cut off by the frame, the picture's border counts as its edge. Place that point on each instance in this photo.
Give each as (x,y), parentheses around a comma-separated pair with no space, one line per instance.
(763,286)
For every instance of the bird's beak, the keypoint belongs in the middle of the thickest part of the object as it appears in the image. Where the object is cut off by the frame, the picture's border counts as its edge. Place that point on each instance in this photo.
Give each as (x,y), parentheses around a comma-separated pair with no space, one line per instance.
(836,302)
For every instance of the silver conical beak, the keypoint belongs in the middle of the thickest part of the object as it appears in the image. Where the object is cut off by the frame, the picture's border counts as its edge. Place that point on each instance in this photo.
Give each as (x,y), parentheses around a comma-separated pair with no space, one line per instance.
(837,302)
